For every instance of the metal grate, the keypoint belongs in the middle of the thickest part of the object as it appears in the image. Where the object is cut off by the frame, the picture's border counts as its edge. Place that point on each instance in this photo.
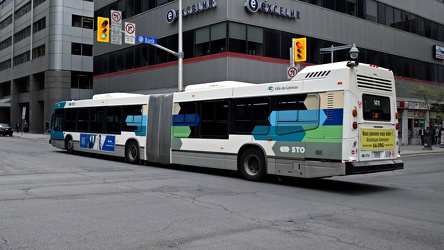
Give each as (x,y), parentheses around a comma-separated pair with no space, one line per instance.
(370,82)
(330,106)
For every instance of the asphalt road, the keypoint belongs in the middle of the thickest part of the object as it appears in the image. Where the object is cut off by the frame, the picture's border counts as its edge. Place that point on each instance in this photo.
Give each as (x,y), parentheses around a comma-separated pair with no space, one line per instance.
(52,200)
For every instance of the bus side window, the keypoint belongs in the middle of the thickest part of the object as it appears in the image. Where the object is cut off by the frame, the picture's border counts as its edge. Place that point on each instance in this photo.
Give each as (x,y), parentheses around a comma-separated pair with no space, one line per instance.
(132,118)
(113,121)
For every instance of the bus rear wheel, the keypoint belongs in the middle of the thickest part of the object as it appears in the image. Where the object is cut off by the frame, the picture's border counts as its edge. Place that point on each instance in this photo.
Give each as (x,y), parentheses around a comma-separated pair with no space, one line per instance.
(252,164)
(132,152)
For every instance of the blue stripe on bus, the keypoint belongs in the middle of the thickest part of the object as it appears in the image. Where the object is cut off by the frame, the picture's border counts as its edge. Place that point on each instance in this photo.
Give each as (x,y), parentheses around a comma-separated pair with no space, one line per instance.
(334,117)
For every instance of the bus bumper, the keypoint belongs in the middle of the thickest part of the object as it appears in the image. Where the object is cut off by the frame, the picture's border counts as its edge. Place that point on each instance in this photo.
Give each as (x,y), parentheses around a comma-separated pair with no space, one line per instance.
(364,167)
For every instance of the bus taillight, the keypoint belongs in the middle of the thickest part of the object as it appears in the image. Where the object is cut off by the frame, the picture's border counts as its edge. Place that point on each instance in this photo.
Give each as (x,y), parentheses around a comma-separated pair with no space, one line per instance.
(355,125)
(397,126)
(397,115)
(355,112)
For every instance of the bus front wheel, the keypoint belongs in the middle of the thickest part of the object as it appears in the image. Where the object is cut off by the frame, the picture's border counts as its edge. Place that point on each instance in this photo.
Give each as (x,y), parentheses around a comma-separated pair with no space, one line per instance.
(69,145)
(132,152)
(252,164)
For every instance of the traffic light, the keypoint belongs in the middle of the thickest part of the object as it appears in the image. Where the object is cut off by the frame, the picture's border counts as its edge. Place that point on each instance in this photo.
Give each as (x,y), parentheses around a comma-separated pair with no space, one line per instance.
(300,49)
(103,29)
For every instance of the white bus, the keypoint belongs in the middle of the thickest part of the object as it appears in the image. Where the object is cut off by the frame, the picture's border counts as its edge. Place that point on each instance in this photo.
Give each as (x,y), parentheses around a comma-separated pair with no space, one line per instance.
(329,120)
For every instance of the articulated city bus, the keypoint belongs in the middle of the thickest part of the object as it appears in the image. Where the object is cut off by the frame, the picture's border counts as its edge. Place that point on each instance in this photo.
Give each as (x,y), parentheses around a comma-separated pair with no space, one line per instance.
(329,120)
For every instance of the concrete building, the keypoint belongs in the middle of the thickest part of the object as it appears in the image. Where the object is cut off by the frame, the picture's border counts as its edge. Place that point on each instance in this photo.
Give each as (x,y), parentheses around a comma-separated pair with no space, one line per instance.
(249,41)
(46,56)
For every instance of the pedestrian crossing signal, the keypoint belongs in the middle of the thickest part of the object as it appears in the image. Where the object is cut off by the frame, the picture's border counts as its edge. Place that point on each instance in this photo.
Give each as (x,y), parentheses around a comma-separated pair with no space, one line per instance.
(300,49)
(103,29)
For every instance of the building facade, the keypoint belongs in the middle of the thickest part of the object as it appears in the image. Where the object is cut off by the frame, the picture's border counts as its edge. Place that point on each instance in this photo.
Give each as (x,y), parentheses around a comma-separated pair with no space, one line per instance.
(46,56)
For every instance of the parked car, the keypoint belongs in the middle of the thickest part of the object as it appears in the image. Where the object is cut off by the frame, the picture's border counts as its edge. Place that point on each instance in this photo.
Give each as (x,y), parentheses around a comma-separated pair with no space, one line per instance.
(5,129)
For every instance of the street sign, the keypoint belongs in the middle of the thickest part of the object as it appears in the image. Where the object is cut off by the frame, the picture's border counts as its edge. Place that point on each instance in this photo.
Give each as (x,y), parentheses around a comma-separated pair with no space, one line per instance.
(146,39)
(130,33)
(116,27)
(292,72)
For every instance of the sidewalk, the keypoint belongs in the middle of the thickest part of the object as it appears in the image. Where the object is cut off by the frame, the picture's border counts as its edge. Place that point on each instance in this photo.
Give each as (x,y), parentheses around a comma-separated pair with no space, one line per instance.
(31,135)
(405,150)
(419,149)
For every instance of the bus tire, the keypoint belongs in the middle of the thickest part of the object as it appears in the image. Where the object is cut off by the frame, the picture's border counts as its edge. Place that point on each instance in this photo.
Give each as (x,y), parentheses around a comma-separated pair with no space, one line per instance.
(132,152)
(69,145)
(251,164)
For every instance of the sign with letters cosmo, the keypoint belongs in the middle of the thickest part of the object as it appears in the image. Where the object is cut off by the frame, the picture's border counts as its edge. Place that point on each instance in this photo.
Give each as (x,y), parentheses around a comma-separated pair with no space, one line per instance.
(191,9)
(264,6)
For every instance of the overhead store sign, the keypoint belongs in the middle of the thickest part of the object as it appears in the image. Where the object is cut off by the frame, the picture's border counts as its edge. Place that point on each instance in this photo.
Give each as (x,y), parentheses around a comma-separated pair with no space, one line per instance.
(439,52)
(191,9)
(255,5)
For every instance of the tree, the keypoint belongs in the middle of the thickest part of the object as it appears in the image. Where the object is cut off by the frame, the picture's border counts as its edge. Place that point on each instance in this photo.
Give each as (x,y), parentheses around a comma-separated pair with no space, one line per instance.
(432,97)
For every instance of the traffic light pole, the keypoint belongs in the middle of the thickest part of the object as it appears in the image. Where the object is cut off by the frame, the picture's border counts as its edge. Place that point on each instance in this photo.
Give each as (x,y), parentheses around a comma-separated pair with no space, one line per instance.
(179,54)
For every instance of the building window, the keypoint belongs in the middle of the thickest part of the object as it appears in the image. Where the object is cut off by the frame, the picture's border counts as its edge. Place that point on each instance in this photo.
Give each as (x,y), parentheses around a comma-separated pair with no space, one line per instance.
(76,48)
(237,34)
(5,23)
(371,10)
(218,36)
(39,25)
(38,2)
(5,65)
(38,52)
(22,58)
(5,88)
(202,41)
(81,80)
(350,7)
(82,22)
(87,50)
(81,49)
(40,79)
(5,43)
(24,33)
(22,84)
(255,39)
(5,3)
(22,11)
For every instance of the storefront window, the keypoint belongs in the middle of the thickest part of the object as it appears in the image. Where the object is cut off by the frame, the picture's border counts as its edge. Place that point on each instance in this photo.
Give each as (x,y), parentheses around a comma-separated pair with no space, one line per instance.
(255,36)
(371,10)
(238,37)
(218,38)
(202,41)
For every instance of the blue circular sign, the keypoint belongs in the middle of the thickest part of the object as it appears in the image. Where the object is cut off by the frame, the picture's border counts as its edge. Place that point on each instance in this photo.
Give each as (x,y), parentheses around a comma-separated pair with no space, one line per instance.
(171,15)
(252,5)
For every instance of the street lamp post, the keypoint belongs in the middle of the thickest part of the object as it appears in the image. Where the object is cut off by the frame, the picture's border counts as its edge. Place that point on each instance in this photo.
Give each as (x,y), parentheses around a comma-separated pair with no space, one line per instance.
(353,52)
(180,52)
